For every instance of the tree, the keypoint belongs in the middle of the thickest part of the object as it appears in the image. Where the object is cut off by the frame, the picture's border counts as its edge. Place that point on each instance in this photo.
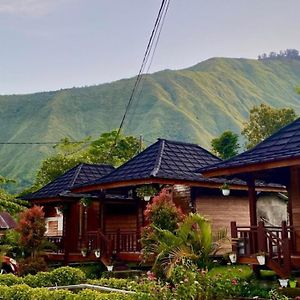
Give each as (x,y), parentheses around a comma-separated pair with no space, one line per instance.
(226,146)
(104,149)
(32,228)
(264,121)
(69,154)
(8,202)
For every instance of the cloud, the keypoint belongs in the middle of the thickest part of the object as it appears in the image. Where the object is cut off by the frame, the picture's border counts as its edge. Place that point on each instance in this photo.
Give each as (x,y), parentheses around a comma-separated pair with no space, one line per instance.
(35,8)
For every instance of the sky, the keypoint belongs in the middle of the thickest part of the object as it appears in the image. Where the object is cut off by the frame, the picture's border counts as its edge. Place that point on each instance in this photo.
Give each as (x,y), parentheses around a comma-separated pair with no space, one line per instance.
(53,44)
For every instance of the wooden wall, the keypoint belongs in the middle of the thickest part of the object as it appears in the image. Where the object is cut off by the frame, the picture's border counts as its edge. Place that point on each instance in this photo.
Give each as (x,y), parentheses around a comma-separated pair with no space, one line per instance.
(72,227)
(221,210)
(120,216)
(93,216)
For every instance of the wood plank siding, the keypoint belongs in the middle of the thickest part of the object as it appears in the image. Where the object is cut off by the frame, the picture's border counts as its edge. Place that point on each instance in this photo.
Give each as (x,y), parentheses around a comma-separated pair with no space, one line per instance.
(222,210)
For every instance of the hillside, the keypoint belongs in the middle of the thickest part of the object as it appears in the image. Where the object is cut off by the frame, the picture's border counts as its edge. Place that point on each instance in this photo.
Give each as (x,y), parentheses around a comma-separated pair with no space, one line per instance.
(193,104)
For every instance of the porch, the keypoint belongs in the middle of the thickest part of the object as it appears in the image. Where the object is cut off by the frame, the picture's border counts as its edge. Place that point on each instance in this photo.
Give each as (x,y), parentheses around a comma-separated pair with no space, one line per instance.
(277,244)
(109,248)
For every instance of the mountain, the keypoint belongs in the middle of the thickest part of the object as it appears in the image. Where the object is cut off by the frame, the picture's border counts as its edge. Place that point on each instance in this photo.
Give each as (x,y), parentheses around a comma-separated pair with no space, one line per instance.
(193,104)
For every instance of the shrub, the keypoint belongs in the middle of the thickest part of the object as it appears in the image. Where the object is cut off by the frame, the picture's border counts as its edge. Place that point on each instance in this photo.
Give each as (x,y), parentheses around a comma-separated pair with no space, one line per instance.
(93,295)
(162,212)
(32,265)
(41,279)
(10,279)
(67,276)
(24,292)
(93,271)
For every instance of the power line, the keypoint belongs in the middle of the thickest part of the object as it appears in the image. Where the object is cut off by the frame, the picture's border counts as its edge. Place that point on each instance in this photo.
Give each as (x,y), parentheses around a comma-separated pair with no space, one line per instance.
(153,39)
(143,79)
(38,143)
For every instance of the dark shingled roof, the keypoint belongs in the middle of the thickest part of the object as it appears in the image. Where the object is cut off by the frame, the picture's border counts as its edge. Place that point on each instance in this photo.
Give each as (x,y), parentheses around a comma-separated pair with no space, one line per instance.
(164,159)
(6,221)
(284,144)
(78,175)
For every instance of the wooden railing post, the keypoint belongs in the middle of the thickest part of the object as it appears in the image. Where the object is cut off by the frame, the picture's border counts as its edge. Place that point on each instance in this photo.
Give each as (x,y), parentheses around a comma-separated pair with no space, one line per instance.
(284,232)
(261,237)
(118,240)
(233,236)
(287,265)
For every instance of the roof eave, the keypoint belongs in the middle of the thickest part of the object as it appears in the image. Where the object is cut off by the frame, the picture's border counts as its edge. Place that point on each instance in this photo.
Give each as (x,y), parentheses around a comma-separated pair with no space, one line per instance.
(157,180)
(249,168)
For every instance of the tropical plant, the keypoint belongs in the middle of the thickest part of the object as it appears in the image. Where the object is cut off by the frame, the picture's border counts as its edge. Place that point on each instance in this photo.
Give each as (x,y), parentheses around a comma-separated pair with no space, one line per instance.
(192,242)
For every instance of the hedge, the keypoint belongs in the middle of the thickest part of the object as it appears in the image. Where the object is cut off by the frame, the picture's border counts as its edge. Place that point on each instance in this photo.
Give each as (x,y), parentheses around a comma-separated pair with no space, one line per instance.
(57,277)
(24,292)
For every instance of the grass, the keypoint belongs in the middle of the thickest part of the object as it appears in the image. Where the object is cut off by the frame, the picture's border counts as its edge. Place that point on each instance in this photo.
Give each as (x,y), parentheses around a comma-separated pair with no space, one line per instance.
(232,272)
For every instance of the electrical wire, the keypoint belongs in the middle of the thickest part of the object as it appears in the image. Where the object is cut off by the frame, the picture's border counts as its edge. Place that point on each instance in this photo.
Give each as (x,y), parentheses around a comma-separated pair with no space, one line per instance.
(150,51)
(152,40)
(144,77)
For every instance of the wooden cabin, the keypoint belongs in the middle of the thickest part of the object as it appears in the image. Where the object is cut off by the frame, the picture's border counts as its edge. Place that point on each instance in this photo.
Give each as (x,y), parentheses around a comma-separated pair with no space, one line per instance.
(276,159)
(105,216)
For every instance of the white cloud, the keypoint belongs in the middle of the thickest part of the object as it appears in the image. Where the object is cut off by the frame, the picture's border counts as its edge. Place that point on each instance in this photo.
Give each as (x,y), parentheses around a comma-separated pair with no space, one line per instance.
(28,7)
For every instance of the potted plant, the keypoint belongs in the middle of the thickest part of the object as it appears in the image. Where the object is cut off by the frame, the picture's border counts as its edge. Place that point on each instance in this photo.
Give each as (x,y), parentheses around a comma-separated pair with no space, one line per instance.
(110,268)
(292,282)
(261,258)
(225,189)
(233,257)
(97,253)
(86,202)
(84,252)
(283,282)
(146,192)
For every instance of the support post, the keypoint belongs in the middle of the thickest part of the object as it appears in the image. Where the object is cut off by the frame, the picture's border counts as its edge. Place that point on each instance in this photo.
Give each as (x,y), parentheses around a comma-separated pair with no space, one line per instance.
(233,236)
(252,201)
(118,240)
(253,215)
(66,233)
(261,238)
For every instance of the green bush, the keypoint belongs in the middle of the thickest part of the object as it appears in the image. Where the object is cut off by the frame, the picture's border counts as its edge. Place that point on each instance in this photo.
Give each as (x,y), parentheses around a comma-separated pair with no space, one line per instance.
(10,279)
(93,295)
(93,271)
(24,292)
(67,276)
(57,277)
(41,279)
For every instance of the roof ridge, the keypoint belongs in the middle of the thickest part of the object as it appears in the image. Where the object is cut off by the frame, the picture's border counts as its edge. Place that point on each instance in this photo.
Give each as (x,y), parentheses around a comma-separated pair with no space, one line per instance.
(76,174)
(97,165)
(190,144)
(179,142)
(157,163)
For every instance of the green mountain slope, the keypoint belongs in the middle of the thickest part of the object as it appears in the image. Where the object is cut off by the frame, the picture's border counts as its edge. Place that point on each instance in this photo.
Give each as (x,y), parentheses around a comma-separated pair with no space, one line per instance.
(194,104)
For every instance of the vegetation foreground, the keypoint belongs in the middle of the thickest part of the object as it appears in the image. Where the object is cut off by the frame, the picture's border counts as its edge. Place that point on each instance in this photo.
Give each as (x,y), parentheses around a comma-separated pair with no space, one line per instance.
(225,282)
